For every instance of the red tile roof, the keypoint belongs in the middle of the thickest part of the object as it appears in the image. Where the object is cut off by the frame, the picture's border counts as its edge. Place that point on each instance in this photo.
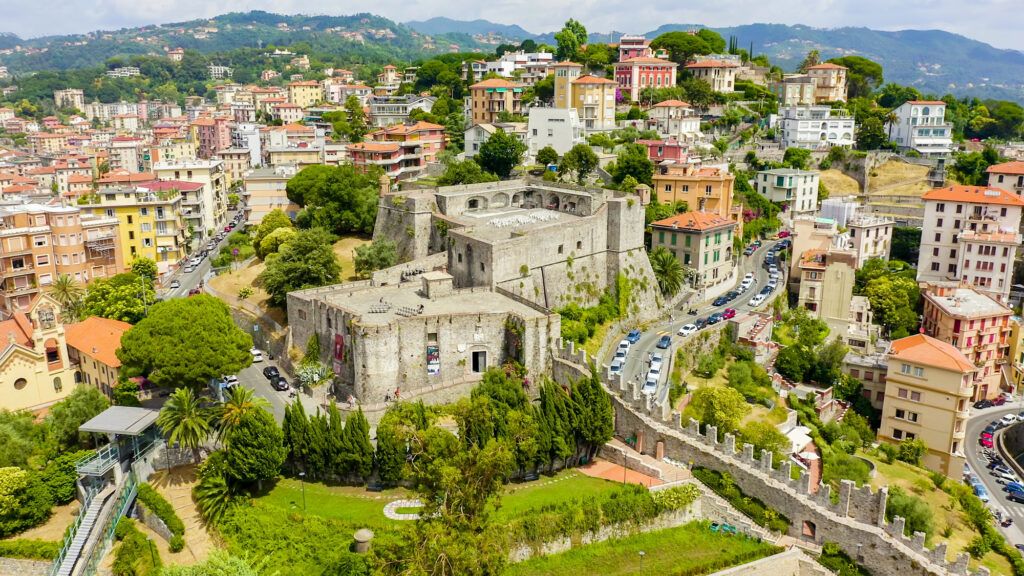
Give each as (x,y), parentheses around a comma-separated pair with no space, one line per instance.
(375,146)
(588,79)
(713,64)
(19,327)
(97,337)
(1015,167)
(694,221)
(672,104)
(495,83)
(826,66)
(923,349)
(647,60)
(974,195)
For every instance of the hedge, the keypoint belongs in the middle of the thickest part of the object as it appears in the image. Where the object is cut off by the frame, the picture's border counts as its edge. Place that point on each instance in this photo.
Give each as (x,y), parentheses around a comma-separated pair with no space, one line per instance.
(159,505)
(833,558)
(980,516)
(723,485)
(633,504)
(135,555)
(29,549)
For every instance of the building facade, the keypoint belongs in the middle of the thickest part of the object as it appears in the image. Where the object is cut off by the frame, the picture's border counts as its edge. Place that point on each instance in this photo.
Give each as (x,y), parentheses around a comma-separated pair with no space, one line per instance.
(151,220)
(265,189)
(921,125)
(1007,175)
(489,98)
(92,350)
(870,237)
(703,189)
(635,74)
(829,82)
(206,208)
(815,127)
(34,365)
(719,74)
(560,129)
(701,241)
(796,188)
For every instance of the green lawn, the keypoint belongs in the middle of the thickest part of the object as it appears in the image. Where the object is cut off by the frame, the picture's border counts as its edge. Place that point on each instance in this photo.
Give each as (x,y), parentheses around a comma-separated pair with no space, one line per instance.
(346,503)
(566,485)
(690,549)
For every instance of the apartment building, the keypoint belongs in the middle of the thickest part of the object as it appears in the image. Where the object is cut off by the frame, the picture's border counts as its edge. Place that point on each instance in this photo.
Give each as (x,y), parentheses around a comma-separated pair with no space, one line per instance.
(928,389)
(427,136)
(265,190)
(305,93)
(675,119)
(975,324)
(719,74)
(204,208)
(814,127)
(701,241)
(339,92)
(869,237)
(670,151)
(1008,175)
(210,135)
(489,98)
(401,151)
(593,98)
(287,112)
(970,234)
(35,359)
(798,189)
(826,283)
(39,243)
(47,144)
(829,82)
(635,74)
(921,125)
(794,90)
(560,129)
(92,349)
(703,189)
(69,98)
(388,110)
(152,224)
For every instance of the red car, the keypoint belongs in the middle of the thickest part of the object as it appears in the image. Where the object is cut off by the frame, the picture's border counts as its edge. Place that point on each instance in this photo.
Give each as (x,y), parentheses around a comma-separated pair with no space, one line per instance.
(728,313)
(986,442)
(784,234)
(999,400)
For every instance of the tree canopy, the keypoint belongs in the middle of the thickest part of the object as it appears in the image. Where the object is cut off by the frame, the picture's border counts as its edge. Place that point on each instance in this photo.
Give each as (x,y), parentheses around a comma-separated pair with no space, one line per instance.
(185,342)
(501,153)
(122,297)
(340,199)
(683,46)
(307,261)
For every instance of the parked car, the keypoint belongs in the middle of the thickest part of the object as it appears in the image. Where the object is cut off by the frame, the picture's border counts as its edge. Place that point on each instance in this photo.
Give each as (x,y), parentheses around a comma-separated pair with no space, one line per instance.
(616,366)
(227,228)
(757,300)
(634,336)
(195,292)
(624,345)
(784,234)
(700,323)
(1016,495)
(999,400)
(229,381)
(257,355)
(1001,470)
(731,295)
(728,313)
(664,342)
(1009,419)
(983,404)
(748,250)
(1006,478)
(986,442)
(1014,486)
(748,276)
(714,318)
(175,284)
(980,491)
(279,384)
(650,386)
(188,269)
(271,372)
(720,301)
(688,329)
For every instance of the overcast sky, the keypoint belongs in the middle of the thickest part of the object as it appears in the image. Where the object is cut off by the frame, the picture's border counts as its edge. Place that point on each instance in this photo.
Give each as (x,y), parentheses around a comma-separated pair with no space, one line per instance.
(993,21)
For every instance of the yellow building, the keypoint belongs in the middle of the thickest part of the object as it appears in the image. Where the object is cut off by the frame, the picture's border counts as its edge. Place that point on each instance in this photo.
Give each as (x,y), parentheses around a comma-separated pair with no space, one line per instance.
(928,389)
(592,97)
(35,371)
(488,99)
(92,349)
(703,189)
(1016,352)
(305,94)
(150,217)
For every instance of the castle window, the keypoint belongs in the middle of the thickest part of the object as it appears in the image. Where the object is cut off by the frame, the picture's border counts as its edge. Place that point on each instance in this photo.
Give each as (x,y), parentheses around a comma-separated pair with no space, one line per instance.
(57,386)
(579,244)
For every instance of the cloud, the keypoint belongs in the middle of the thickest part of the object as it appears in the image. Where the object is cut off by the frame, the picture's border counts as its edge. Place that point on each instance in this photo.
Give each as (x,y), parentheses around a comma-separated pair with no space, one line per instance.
(986,20)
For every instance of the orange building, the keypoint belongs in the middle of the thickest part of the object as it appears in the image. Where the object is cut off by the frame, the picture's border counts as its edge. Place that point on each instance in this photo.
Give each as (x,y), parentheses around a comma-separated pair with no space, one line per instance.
(703,189)
(491,97)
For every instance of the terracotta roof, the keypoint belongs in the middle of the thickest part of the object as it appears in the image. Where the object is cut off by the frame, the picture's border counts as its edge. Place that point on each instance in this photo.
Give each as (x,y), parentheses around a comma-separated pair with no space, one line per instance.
(647,60)
(672,104)
(923,349)
(305,83)
(122,176)
(179,185)
(929,102)
(18,188)
(694,221)
(79,179)
(588,79)
(495,83)
(19,327)
(203,121)
(1015,167)
(713,64)
(974,194)
(97,337)
(568,64)
(827,66)
(409,128)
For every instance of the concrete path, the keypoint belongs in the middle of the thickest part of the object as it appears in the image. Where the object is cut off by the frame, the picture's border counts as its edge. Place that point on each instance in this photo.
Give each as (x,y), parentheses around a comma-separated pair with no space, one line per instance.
(391,511)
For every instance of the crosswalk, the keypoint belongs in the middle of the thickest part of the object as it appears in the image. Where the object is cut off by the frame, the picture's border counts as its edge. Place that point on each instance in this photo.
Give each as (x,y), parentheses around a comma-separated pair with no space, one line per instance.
(1013,509)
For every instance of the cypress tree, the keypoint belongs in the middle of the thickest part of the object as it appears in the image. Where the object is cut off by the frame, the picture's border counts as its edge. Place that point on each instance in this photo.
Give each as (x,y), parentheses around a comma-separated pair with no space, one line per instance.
(335,442)
(358,448)
(296,435)
(318,456)
(390,457)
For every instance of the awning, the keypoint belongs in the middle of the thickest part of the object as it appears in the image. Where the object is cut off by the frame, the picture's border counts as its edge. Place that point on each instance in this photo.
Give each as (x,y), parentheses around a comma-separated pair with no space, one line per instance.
(121,420)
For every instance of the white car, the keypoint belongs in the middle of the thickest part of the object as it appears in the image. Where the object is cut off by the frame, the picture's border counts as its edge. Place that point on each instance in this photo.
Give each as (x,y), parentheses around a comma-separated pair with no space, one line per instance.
(624,346)
(687,330)
(257,355)
(654,374)
(1009,419)
(757,300)
(616,366)
(649,387)
(749,277)
(773,269)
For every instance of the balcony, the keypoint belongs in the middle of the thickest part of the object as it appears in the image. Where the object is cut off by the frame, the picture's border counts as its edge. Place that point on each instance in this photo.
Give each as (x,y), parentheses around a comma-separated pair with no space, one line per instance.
(16,271)
(99,463)
(19,290)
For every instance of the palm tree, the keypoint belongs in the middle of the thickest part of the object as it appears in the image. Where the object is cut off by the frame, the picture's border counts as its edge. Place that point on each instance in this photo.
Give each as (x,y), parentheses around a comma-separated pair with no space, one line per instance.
(891,119)
(667,270)
(185,421)
(213,497)
(240,401)
(68,293)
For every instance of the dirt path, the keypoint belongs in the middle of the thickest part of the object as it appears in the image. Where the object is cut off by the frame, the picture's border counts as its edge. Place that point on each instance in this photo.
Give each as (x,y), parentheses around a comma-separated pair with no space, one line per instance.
(54,528)
(177,486)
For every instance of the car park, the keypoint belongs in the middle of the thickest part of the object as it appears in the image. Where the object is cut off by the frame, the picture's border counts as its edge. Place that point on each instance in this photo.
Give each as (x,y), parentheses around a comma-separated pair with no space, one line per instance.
(664,342)
(634,336)
(688,329)
(728,313)
(757,300)
(271,372)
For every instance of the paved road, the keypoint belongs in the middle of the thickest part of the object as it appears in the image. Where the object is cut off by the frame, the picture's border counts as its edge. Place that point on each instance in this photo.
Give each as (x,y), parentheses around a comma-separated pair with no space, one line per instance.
(637,357)
(975,424)
(252,377)
(191,280)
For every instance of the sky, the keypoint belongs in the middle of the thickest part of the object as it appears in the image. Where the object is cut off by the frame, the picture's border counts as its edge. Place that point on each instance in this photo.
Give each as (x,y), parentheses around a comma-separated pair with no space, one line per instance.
(993,21)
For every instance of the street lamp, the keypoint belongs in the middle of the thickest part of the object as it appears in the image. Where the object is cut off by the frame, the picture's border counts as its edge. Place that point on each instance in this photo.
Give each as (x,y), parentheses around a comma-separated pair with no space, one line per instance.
(302,478)
(642,554)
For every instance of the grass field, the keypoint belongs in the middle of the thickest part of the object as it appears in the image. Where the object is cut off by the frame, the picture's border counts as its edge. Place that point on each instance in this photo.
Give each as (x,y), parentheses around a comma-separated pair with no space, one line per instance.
(690,549)
(839,184)
(566,485)
(898,179)
(917,482)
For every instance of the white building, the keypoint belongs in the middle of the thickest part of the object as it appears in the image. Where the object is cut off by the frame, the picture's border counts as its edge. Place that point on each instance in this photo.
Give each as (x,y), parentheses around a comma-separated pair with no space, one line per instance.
(921,125)
(388,110)
(247,135)
(218,72)
(477,134)
(124,72)
(814,127)
(797,188)
(870,237)
(205,210)
(970,234)
(841,210)
(675,119)
(555,127)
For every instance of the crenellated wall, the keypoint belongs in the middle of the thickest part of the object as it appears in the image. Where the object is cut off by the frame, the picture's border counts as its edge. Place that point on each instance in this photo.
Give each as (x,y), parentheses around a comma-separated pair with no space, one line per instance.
(856,521)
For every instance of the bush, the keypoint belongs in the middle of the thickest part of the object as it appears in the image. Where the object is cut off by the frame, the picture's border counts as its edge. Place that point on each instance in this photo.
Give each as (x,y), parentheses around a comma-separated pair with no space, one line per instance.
(833,558)
(135,555)
(676,498)
(29,549)
(918,515)
(25,501)
(176,544)
(159,505)
(756,510)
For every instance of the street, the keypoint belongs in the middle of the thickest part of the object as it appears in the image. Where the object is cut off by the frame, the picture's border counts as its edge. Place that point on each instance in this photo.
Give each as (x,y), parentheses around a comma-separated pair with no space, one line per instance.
(998,501)
(636,359)
(192,279)
(252,378)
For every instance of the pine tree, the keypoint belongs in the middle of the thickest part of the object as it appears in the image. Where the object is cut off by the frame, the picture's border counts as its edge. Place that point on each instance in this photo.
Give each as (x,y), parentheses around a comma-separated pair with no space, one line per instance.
(335,442)
(357,444)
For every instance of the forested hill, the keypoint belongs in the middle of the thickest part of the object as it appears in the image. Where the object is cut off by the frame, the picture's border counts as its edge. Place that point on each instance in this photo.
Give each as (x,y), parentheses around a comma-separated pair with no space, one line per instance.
(360,38)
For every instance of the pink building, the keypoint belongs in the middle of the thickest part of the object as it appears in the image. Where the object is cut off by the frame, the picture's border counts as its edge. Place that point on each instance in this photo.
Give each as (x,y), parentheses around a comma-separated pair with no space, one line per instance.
(634,47)
(635,74)
(211,135)
(402,150)
(670,150)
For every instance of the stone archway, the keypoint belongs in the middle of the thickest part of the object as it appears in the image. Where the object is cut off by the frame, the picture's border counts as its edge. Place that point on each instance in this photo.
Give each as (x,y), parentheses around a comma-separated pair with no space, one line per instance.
(500,200)
(553,203)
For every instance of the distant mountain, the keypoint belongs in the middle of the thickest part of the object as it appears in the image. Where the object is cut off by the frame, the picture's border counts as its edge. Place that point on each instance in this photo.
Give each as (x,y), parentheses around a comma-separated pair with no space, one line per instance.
(442,25)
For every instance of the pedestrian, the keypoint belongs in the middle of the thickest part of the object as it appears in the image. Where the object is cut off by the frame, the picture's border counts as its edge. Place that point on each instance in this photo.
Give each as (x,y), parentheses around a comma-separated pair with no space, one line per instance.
(387,398)
(398,393)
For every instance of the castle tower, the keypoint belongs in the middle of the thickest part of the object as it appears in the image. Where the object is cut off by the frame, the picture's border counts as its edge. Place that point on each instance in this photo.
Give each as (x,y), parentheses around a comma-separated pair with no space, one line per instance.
(565,73)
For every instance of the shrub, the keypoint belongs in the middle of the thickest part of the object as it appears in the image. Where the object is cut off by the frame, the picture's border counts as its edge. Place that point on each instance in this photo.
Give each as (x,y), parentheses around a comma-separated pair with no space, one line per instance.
(25,501)
(159,505)
(833,558)
(918,515)
(135,555)
(29,549)
(756,510)
(176,544)
(676,498)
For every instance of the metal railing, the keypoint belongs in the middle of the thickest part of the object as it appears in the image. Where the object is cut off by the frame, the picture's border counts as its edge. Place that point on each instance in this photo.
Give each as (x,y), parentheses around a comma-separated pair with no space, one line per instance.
(109,524)
(100,462)
(90,493)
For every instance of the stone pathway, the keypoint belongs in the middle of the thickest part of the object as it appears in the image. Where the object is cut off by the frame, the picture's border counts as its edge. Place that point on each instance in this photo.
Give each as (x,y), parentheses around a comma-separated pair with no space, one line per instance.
(391,509)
